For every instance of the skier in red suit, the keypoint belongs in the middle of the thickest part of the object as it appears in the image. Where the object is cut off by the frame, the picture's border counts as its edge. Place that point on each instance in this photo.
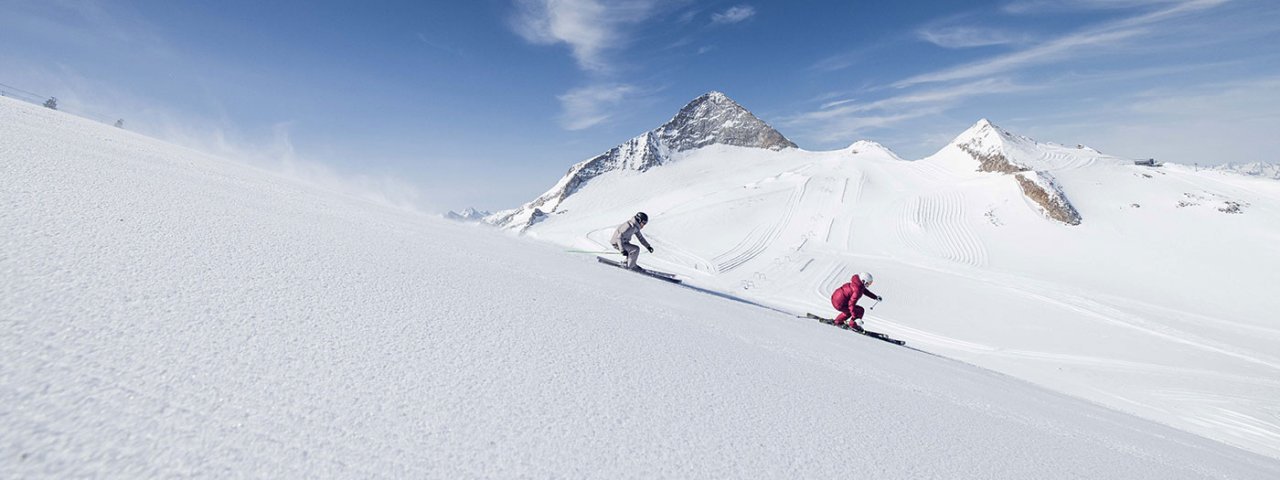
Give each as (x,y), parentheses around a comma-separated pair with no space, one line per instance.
(845,299)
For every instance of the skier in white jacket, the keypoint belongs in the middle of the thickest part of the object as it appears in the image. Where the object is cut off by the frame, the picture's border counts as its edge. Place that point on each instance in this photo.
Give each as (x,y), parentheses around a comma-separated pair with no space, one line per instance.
(622,238)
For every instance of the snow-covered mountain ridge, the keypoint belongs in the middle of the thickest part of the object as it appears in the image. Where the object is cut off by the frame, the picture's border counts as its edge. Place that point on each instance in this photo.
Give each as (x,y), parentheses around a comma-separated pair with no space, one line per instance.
(710,119)
(1031,163)
(715,119)
(167,313)
(1147,289)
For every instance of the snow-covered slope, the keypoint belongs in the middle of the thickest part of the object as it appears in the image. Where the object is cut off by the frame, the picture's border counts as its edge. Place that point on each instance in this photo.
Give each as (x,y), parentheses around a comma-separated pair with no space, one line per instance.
(165,313)
(1150,290)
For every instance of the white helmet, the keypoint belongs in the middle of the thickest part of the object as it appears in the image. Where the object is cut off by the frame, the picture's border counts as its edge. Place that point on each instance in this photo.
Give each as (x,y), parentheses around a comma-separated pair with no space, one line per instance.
(866,278)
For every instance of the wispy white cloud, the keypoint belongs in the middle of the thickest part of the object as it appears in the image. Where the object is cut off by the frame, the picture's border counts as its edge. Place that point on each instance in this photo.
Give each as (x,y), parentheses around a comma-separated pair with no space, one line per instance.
(683,41)
(1244,99)
(687,16)
(590,28)
(967,37)
(594,31)
(841,120)
(84,23)
(440,45)
(850,128)
(1073,44)
(733,14)
(1207,124)
(836,103)
(937,96)
(589,106)
(1034,7)
(1044,52)
(864,53)
(839,61)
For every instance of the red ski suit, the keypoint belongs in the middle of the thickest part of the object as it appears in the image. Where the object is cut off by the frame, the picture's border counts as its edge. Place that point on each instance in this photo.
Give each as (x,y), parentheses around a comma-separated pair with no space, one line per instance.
(845,299)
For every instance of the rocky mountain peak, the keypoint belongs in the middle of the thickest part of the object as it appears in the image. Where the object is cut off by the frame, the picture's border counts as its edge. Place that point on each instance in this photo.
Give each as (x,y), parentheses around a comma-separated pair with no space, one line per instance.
(987,144)
(714,118)
(996,150)
(982,135)
(711,119)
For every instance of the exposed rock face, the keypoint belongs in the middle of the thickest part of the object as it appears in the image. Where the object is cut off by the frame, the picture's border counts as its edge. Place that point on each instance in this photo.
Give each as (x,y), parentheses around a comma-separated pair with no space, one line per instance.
(985,142)
(998,151)
(710,119)
(991,161)
(713,118)
(1042,189)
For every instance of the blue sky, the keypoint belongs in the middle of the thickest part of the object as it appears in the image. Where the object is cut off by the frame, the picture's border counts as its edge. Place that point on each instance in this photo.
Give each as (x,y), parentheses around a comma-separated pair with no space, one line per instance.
(486,103)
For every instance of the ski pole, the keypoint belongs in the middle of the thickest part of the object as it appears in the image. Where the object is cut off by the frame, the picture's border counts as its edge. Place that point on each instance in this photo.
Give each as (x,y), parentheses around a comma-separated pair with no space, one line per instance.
(592,251)
(873,306)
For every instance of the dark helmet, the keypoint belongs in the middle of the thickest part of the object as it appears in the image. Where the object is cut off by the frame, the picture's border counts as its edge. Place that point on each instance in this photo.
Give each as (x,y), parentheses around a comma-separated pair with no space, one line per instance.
(642,217)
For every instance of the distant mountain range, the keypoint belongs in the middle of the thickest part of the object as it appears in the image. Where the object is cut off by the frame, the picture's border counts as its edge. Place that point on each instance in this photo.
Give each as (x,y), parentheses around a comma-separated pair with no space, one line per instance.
(468,215)
(715,119)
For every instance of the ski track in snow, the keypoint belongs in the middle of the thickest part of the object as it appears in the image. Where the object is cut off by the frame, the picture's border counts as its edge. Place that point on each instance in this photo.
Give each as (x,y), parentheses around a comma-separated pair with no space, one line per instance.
(936,225)
(1248,430)
(922,336)
(930,172)
(1114,316)
(670,254)
(1218,322)
(1221,413)
(759,239)
(835,276)
(676,255)
(1051,295)
(1204,407)
(1114,365)
(1062,160)
(850,205)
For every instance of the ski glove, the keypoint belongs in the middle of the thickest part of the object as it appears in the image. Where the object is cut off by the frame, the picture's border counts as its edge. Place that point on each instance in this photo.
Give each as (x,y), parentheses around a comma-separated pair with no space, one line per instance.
(650,249)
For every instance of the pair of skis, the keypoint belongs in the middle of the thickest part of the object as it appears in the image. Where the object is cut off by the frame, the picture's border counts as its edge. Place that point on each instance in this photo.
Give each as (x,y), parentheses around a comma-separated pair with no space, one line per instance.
(669,277)
(875,335)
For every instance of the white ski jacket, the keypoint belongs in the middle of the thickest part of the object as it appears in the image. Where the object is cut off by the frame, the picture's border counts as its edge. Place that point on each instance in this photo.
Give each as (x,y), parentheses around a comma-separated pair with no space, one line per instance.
(625,231)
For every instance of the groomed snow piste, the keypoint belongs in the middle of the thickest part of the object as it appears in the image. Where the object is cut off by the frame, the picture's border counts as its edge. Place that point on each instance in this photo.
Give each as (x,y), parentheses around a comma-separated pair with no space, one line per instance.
(1151,290)
(163,312)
